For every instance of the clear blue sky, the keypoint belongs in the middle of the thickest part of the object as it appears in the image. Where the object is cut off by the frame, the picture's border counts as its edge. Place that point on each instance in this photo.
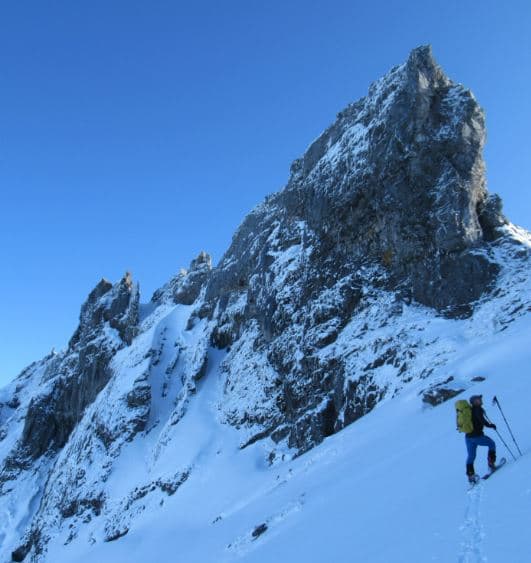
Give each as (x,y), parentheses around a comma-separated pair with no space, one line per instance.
(135,134)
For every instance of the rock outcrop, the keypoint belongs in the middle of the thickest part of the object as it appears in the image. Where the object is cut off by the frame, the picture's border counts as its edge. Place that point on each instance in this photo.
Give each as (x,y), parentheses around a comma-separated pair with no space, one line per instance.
(185,287)
(391,197)
(72,380)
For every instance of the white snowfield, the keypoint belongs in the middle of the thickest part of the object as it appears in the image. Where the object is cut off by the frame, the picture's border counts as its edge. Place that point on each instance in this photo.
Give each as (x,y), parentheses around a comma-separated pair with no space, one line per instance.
(389,488)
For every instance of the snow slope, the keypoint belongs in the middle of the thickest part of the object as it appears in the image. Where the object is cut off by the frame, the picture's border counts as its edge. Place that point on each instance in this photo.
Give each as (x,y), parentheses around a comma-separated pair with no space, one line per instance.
(390,487)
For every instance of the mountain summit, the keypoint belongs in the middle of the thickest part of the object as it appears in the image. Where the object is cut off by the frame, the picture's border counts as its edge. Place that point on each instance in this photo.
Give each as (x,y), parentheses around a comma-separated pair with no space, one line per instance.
(366,278)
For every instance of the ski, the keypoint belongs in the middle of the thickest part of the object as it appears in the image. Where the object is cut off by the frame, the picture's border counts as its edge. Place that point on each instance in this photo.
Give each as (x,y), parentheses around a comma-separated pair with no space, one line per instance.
(501,463)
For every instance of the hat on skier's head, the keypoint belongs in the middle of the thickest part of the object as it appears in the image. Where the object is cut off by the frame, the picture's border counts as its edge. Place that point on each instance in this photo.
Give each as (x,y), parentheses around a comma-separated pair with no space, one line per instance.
(474,398)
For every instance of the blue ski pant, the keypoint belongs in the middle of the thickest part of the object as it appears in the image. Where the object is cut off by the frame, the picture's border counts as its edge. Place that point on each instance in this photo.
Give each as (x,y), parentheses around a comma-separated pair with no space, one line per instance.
(475,441)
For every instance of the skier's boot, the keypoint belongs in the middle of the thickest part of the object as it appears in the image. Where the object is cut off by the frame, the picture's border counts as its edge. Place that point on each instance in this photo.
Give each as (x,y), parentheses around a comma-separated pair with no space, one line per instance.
(491,459)
(471,474)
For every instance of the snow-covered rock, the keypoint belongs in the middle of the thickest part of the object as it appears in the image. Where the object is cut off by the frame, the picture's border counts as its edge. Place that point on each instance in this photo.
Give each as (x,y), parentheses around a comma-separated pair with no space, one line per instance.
(386,208)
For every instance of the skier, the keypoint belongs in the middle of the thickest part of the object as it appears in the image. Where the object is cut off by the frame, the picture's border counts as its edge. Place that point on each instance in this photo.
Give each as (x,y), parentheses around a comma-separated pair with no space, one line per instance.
(477,438)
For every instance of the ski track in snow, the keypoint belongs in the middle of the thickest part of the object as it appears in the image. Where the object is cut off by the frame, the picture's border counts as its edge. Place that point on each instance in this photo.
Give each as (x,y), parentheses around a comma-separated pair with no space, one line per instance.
(472,531)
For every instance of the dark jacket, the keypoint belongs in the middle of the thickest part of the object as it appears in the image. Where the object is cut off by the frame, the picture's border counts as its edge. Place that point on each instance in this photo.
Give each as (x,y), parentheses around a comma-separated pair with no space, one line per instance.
(479,421)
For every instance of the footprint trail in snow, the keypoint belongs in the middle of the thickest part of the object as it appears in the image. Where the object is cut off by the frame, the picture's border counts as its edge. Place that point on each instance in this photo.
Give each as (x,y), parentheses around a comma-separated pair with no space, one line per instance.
(472,532)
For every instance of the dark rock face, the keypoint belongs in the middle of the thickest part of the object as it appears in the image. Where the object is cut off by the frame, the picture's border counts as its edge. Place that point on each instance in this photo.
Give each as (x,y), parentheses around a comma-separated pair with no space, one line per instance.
(391,197)
(112,304)
(76,378)
(138,402)
(405,185)
(398,180)
(439,395)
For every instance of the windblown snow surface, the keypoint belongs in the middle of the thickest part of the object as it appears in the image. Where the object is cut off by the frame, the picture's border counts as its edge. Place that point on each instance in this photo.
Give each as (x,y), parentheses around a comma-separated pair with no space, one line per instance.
(390,487)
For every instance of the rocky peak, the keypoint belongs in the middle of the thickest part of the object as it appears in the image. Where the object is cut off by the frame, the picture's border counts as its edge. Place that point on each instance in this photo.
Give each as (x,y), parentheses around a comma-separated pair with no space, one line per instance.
(399,180)
(71,380)
(102,287)
(202,262)
(422,70)
(396,181)
(390,198)
(185,287)
(116,305)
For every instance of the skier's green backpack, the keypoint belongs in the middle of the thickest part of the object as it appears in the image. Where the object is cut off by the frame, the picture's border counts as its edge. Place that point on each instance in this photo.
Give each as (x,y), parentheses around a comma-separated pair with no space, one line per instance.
(464,416)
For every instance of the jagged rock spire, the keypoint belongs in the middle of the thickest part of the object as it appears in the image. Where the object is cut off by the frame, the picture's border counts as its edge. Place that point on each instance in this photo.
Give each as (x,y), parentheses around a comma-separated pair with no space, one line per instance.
(107,303)
(185,287)
(391,197)
(399,179)
(75,378)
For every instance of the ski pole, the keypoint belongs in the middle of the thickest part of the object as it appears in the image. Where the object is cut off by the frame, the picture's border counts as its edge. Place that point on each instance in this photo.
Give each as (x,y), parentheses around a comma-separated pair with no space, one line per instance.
(500,436)
(504,443)
(497,403)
